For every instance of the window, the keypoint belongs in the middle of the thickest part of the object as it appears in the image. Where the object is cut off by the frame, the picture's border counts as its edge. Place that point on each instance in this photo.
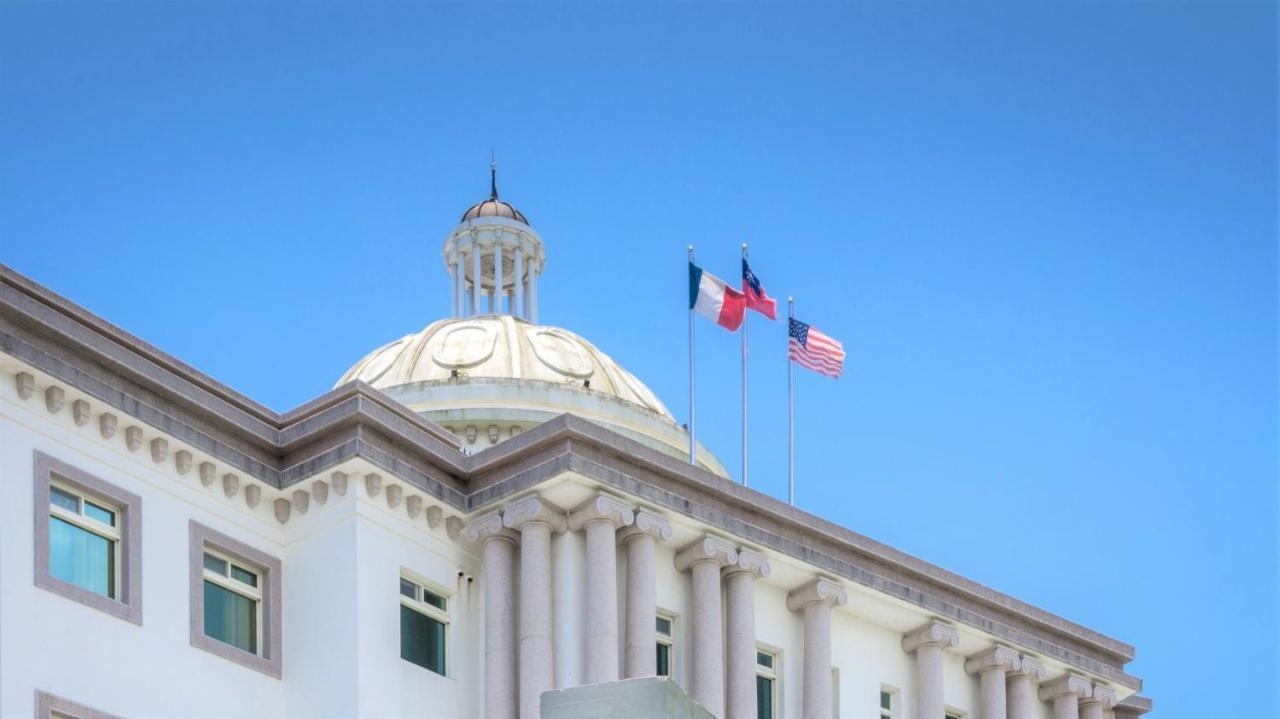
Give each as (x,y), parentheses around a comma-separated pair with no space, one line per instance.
(87,539)
(766,685)
(666,644)
(49,706)
(888,703)
(235,600)
(951,714)
(424,618)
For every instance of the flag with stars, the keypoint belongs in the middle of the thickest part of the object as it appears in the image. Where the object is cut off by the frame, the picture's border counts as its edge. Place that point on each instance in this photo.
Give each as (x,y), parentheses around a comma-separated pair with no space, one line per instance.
(756,298)
(811,349)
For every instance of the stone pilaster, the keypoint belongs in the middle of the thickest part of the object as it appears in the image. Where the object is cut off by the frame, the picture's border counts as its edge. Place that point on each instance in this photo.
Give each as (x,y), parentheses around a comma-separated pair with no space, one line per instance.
(601,517)
(928,643)
(815,600)
(1066,692)
(992,666)
(499,614)
(740,641)
(536,520)
(641,540)
(703,559)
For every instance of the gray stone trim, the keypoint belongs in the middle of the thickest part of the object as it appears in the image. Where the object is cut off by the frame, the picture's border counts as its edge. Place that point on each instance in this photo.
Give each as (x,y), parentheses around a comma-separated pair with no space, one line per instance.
(128,605)
(47,704)
(270,661)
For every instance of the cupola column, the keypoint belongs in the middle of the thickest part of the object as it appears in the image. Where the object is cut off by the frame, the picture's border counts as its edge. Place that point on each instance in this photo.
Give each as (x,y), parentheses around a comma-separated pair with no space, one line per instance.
(1066,692)
(536,520)
(641,540)
(1020,692)
(533,292)
(601,517)
(815,599)
(499,614)
(991,666)
(518,291)
(475,275)
(459,283)
(928,643)
(703,559)
(495,307)
(740,632)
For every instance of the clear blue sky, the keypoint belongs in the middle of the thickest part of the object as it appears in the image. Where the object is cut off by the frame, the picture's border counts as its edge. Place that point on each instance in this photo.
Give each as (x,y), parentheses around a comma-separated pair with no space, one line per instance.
(1045,232)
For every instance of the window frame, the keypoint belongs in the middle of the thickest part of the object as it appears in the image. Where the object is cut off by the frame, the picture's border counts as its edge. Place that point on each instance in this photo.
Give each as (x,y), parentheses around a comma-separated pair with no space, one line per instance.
(667,640)
(235,586)
(206,540)
(47,704)
(419,604)
(50,472)
(892,711)
(772,673)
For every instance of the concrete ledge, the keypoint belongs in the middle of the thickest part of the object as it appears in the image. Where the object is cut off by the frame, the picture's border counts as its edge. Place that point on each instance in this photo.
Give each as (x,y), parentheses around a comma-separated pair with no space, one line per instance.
(647,698)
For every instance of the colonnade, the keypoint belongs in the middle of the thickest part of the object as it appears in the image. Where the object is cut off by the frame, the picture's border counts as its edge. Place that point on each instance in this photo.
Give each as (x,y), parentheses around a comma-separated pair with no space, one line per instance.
(519,652)
(474,292)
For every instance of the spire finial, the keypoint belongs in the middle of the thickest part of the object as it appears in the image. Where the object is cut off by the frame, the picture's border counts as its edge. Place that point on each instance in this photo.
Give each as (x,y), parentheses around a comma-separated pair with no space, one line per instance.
(493,175)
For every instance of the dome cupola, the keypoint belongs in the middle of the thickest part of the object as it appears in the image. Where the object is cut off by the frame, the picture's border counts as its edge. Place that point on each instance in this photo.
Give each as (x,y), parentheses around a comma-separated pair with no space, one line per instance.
(493,207)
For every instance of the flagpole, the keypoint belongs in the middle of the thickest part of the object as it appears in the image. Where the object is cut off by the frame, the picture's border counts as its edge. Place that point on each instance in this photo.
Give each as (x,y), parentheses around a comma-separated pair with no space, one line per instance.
(693,416)
(744,381)
(791,409)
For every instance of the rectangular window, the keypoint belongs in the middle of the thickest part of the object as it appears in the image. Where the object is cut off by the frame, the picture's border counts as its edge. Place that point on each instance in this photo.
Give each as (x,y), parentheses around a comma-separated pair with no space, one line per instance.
(888,703)
(86,539)
(766,685)
(666,643)
(235,600)
(232,602)
(424,619)
(51,706)
(953,715)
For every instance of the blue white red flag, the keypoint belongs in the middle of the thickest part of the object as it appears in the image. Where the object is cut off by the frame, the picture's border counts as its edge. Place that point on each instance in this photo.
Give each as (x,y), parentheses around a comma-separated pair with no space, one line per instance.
(756,298)
(715,299)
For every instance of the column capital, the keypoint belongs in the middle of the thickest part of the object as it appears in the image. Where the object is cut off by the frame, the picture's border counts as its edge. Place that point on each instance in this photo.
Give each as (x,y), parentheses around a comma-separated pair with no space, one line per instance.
(1066,684)
(1031,667)
(935,632)
(818,590)
(482,529)
(533,509)
(601,508)
(648,523)
(994,657)
(750,562)
(1102,694)
(709,548)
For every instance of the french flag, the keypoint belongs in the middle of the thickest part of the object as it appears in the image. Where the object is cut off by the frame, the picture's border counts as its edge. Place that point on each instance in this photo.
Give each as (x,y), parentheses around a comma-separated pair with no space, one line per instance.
(716,300)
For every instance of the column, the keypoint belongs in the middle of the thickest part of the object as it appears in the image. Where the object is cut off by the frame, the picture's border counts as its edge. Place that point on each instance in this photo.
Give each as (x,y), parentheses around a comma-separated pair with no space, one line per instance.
(533,293)
(740,632)
(1020,692)
(536,520)
(498,292)
(475,276)
(703,559)
(499,615)
(991,666)
(460,290)
(641,540)
(928,642)
(1066,692)
(815,599)
(601,517)
(1100,700)
(518,289)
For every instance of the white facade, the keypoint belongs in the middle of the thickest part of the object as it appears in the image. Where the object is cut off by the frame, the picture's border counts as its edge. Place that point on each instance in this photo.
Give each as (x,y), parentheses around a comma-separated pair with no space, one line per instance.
(276,483)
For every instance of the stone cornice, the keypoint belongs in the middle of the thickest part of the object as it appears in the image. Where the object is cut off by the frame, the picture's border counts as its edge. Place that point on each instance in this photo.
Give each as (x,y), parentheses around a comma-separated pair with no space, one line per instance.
(709,548)
(144,385)
(996,657)
(817,591)
(1066,684)
(649,524)
(753,563)
(934,632)
(601,508)
(533,509)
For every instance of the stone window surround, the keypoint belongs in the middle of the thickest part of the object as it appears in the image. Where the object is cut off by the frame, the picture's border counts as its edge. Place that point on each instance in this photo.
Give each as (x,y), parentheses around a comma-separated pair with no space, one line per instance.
(270,660)
(129,604)
(47,704)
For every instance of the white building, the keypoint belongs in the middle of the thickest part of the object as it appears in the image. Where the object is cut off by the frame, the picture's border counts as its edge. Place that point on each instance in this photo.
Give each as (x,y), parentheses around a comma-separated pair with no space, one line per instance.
(476,513)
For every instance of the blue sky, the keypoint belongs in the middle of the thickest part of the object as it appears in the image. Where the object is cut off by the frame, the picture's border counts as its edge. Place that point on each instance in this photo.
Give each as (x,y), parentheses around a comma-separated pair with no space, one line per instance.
(1045,232)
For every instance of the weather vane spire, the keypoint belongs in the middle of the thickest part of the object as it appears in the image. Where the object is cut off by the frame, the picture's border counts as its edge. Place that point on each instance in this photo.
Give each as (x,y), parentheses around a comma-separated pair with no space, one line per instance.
(493,175)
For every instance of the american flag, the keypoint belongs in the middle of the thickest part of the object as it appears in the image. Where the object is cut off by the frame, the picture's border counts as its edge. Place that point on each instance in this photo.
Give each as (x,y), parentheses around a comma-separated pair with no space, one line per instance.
(810,348)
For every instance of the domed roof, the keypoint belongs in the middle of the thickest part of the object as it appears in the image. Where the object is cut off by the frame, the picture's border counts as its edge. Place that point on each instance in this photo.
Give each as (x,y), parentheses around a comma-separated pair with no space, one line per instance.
(493,207)
(502,347)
